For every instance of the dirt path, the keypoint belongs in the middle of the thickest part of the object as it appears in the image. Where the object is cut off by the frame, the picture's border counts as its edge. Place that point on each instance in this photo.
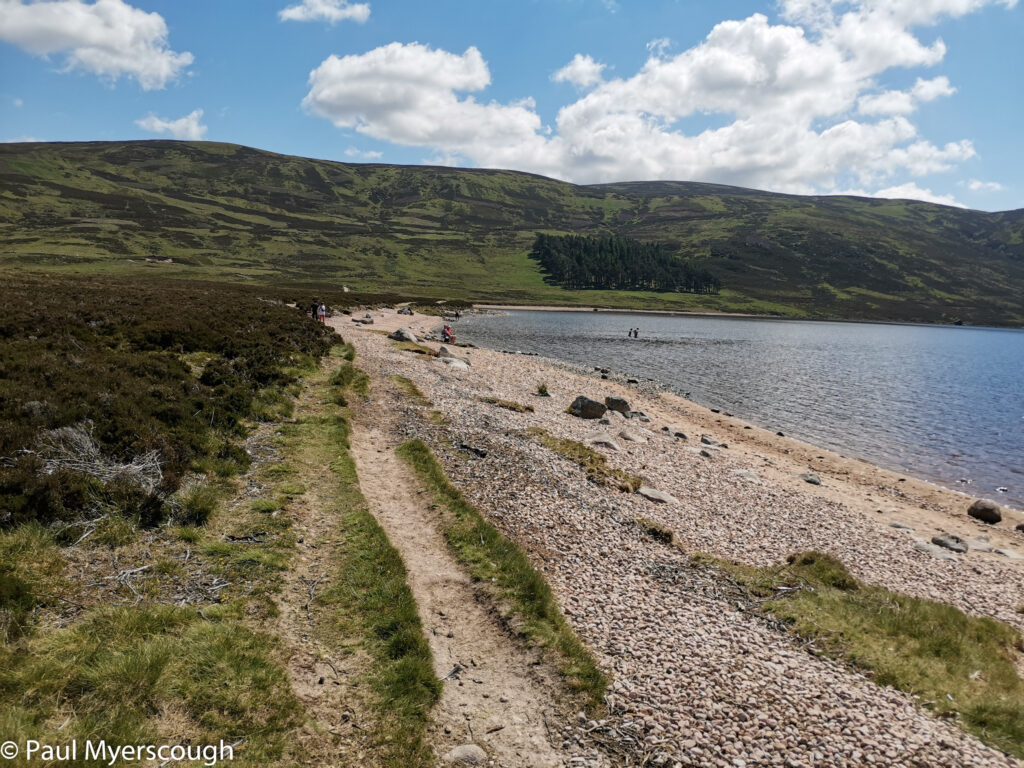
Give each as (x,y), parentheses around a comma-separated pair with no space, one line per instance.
(495,692)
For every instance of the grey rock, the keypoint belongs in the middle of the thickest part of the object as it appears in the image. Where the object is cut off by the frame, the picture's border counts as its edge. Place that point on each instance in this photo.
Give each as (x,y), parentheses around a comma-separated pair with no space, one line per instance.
(936,552)
(810,477)
(986,511)
(1008,553)
(1020,527)
(951,542)
(706,453)
(456,363)
(655,495)
(980,544)
(610,417)
(466,754)
(602,439)
(403,334)
(746,474)
(708,440)
(674,431)
(632,436)
(586,408)
(638,415)
(617,404)
(900,527)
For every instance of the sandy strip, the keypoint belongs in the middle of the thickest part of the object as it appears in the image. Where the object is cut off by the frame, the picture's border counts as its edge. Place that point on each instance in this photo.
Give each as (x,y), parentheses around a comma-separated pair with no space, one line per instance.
(700,681)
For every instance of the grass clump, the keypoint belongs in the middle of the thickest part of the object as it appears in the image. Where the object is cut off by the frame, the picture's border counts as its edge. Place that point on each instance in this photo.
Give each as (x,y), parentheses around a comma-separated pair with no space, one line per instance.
(197,503)
(348,377)
(594,463)
(507,404)
(30,566)
(489,555)
(957,665)
(408,387)
(542,390)
(370,597)
(118,669)
(411,346)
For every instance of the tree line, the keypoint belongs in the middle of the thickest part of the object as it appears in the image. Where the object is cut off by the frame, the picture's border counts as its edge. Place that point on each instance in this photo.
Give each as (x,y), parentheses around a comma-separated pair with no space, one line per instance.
(618,263)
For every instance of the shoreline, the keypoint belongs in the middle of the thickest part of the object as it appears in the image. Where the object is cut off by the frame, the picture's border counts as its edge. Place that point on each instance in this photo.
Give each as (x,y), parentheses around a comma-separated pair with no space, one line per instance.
(742,315)
(692,670)
(912,500)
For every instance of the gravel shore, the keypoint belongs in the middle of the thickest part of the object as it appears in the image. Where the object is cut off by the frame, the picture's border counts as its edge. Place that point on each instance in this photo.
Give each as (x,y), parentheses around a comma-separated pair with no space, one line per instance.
(699,680)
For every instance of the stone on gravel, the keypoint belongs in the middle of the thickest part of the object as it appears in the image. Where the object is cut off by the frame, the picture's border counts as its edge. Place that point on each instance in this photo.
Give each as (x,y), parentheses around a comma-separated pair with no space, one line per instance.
(586,408)
(638,415)
(467,754)
(986,511)
(456,363)
(1007,553)
(603,439)
(611,416)
(617,404)
(900,526)
(810,477)
(655,495)
(934,551)
(403,334)
(674,431)
(980,544)
(632,436)
(708,440)
(951,542)
(746,474)
(706,453)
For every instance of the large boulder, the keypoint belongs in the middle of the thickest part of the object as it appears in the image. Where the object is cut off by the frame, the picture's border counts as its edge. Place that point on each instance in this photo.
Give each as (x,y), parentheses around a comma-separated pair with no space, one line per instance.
(403,334)
(617,404)
(586,408)
(986,511)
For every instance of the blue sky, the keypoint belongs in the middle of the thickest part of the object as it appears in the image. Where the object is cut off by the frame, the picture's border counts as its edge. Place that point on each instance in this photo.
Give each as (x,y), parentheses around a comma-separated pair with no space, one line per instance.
(896,98)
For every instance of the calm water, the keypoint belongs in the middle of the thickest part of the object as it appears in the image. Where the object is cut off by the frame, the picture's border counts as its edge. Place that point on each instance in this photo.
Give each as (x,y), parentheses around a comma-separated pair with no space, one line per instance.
(944,404)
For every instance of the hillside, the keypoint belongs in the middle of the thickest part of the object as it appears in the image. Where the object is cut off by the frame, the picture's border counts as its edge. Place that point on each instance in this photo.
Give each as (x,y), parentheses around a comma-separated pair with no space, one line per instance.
(235,213)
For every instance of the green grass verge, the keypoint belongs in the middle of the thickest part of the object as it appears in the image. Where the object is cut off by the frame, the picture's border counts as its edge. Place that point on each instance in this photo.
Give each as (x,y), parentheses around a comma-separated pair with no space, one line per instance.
(492,558)
(956,664)
(369,598)
(594,463)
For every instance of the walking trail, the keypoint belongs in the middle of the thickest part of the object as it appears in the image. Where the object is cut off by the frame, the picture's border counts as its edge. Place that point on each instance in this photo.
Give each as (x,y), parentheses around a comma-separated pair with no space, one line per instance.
(497,694)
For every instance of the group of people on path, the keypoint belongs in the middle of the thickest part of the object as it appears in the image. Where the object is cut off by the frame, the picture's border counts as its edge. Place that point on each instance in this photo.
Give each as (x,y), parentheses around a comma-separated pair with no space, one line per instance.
(634,333)
(318,311)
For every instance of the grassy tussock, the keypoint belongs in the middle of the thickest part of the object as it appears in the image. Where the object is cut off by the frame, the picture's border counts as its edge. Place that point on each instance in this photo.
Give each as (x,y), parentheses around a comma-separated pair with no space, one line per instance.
(956,664)
(411,346)
(408,387)
(507,404)
(117,670)
(594,463)
(489,555)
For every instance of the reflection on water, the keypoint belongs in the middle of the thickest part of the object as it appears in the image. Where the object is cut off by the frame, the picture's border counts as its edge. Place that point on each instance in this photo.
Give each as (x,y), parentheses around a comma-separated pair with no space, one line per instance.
(942,403)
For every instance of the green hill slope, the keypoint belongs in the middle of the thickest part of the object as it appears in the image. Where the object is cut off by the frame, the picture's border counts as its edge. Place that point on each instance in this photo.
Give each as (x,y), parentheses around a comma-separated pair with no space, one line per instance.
(230,212)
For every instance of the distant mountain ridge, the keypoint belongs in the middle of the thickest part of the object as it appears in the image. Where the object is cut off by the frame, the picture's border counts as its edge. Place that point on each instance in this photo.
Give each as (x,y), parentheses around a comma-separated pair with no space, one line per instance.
(231,212)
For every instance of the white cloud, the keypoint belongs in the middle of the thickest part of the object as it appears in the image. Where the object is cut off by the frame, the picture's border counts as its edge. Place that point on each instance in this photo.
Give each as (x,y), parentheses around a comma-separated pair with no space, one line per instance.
(801,105)
(108,38)
(331,11)
(361,154)
(984,186)
(187,128)
(20,140)
(910,191)
(582,71)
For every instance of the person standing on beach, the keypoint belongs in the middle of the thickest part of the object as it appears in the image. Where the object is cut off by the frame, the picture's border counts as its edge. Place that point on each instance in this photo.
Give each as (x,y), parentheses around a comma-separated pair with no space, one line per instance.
(321,313)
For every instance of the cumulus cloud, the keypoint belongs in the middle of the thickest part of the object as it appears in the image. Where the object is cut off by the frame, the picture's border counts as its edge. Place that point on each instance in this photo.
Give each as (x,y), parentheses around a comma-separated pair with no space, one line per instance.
(910,191)
(905,102)
(582,71)
(186,128)
(108,38)
(361,154)
(331,11)
(801,100)
(984,186)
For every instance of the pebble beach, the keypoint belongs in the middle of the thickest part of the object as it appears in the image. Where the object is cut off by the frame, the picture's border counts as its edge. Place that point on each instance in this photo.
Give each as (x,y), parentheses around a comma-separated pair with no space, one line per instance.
(699,679)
